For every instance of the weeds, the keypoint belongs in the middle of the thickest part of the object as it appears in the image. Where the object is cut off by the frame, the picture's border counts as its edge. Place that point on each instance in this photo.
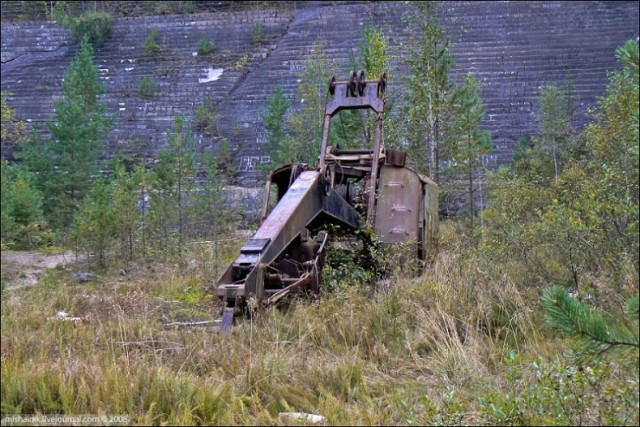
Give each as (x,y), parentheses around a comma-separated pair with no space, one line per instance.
(457,345)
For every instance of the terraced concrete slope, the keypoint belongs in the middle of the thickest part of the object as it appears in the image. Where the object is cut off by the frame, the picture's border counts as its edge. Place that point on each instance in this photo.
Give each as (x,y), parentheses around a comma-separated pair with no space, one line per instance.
(513,48)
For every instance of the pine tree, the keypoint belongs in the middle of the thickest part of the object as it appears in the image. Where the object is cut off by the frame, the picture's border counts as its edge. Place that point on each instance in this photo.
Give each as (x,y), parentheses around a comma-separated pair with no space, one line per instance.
(210,211)
(306,123)
(126,214)
(66,165)
(555,124)
(472,141)
(175,177)
(94,224)
(23,223)
(430,94)
(279,147)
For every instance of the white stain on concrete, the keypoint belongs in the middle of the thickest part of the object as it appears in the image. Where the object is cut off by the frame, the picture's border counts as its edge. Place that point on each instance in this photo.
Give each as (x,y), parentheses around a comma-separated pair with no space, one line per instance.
(213,74)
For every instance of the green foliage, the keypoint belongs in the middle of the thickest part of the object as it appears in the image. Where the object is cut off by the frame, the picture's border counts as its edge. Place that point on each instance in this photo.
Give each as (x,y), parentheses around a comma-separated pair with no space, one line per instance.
(375,60)
(563,394)
(95,26)
(279,146)
(147,87)
(256,33)
(94,224)
(224,159)
(574,218)
(628,55)
(22,224)
(175,180)
(205,47)
(555,124)
(589,330)
(345,265)
(473,142)
(430,94)
(306,123)
(211,215)
(151,46)
(241,62)
(125,188)
(373,52)
(12,130)
(206,117)
(66,165)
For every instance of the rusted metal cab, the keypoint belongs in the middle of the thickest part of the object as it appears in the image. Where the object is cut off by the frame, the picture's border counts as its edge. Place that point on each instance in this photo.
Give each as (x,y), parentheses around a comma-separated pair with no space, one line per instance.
(407,209)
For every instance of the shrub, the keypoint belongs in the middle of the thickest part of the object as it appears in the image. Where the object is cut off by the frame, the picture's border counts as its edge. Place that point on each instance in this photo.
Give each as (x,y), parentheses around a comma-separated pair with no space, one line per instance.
(96,26)
(151,46)
(242,62)
(147,86)
(206,47)
(256,33)
(206,117)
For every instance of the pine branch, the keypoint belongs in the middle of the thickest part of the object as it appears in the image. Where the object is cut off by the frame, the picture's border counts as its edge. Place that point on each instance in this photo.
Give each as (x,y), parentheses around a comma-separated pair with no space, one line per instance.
(588,328)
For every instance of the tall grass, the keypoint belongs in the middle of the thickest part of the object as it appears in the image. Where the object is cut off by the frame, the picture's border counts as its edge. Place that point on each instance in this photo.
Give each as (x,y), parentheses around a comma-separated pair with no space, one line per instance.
(458,345)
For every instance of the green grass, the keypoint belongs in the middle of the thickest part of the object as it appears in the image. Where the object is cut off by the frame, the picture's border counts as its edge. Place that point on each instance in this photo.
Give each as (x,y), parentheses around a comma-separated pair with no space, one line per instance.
(455,346)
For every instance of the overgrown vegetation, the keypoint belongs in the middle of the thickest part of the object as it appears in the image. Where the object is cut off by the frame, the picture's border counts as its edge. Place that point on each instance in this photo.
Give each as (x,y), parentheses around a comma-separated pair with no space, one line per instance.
(207,117)
(205,47)
(256,33)
(94,25)
(65,166)
(147,87)
(151,46)
(530,318)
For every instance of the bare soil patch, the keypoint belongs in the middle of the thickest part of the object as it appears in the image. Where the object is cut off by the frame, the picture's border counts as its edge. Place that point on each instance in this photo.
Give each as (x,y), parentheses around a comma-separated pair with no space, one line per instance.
(23,268)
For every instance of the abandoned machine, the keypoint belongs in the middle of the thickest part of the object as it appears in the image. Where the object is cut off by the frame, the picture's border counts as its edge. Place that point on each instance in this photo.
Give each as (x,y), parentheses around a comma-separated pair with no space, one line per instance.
(350,188)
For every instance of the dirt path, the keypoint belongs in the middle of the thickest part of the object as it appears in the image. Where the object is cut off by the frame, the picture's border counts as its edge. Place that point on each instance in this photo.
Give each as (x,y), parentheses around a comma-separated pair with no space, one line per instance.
(21,268)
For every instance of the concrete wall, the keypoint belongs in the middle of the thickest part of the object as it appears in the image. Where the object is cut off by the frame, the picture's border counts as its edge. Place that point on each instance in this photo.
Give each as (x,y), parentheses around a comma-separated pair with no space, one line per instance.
(513,48)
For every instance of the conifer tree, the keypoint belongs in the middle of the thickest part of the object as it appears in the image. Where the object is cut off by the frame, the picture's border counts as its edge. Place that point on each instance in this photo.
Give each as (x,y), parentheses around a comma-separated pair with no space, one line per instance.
(175,178)
(211,213)
(280,146)
(306,123)
(430,94)
(21,202)
(126,214)
(67,163)
(473,142)
(94,224)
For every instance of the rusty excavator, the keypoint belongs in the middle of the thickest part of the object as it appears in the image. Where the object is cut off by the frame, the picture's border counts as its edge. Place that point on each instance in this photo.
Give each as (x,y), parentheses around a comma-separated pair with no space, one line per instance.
(350,188)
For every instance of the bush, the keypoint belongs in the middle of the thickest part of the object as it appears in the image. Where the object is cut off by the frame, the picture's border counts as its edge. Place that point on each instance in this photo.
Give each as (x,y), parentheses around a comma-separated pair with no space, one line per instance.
(96,26)
(147,86)
(206,47)
(151,46)
(23,224)
(256,32)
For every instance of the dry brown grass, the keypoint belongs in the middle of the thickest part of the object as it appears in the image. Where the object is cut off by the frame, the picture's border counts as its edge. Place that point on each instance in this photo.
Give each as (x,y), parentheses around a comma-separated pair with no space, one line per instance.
(422,352)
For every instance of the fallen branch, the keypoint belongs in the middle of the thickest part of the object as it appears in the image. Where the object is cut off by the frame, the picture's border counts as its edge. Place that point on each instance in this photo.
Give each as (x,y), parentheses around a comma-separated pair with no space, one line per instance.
(190,324)
(153,345)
